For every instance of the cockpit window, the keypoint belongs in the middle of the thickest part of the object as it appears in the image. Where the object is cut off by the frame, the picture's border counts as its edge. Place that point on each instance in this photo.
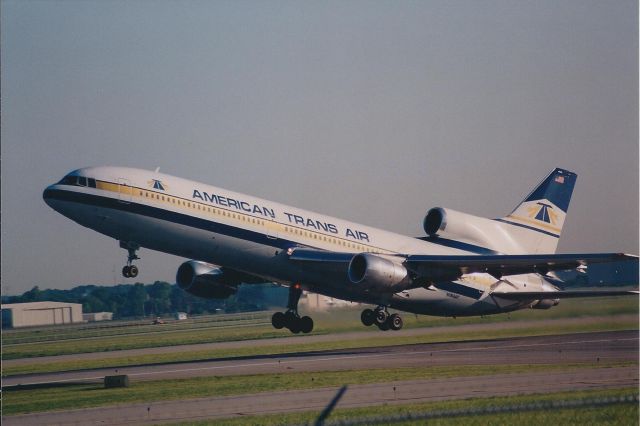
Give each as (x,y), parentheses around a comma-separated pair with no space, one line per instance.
(69,180)
(78,181)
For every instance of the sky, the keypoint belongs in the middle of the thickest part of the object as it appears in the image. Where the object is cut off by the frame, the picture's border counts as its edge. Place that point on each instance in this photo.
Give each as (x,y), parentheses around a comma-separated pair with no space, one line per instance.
(371,111)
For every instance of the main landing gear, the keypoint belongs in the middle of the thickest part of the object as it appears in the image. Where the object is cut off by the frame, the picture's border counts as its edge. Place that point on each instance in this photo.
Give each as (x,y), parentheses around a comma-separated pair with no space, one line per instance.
(130,270)
(381,317)
(291,319)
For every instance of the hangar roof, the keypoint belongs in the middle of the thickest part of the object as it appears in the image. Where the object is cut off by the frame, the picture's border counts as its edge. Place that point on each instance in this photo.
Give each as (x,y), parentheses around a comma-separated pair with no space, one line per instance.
(38,305)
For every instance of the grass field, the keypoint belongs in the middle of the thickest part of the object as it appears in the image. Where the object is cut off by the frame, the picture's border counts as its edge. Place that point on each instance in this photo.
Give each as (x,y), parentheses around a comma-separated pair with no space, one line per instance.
(257,326)
(21,400)
(371,340)
(597,315)
(614,415)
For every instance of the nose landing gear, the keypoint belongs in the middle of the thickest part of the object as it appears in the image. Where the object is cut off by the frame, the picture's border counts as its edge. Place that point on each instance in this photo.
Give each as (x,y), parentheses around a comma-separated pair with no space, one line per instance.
(130,270)
(381,317)
(291,319)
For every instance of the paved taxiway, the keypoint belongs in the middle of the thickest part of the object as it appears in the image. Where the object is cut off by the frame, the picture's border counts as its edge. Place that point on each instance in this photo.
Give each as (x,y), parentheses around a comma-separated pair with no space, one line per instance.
(569,348)
(589,349)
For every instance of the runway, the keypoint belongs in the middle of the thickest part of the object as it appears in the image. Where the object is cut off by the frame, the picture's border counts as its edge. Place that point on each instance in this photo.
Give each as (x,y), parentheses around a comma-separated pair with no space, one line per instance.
(566,348)
(588,349)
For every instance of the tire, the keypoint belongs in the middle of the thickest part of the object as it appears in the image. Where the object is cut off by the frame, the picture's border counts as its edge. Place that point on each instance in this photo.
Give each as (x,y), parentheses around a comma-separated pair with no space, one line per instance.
(289,319)
(384,326)
(395,322)
(368,317)
(381,317)
(278,320)
(295,327)
(133,271)
(306,325)
(126,272)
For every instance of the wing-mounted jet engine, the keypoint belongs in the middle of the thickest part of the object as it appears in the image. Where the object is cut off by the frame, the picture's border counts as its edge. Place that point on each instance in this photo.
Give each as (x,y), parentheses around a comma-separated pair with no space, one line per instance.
(374,272)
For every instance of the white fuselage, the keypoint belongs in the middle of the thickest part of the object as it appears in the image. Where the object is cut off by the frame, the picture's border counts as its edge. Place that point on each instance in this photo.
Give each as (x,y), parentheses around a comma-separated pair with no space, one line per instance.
(252,235)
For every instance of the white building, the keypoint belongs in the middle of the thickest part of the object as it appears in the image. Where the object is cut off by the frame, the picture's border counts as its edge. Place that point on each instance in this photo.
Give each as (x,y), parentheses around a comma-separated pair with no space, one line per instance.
(98,316)
(318,302)
(40,313)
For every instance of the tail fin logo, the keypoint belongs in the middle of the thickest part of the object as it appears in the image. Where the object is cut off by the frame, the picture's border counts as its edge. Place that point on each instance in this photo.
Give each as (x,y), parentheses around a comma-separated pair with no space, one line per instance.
(544,213)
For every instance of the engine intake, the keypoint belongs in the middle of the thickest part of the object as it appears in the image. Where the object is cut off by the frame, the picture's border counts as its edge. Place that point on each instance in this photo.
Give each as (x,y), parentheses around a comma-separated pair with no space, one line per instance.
(435,221)
(462,226)
(205,280)
(375,272)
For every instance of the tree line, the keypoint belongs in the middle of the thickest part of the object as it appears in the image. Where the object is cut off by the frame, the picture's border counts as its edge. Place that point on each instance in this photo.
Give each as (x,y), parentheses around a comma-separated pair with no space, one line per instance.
(157,299)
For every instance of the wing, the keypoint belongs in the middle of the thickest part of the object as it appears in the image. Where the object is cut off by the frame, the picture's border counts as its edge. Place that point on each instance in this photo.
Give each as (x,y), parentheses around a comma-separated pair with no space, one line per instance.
(502,265)
(425,268)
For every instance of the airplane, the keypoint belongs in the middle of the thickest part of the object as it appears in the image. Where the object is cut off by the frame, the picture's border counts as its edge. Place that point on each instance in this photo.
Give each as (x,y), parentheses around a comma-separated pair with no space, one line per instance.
(464,265)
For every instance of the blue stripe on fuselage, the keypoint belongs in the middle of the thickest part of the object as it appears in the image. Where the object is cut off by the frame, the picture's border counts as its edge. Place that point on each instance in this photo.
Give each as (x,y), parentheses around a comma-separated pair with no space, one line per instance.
(542,231)
(216,227)
(168,215)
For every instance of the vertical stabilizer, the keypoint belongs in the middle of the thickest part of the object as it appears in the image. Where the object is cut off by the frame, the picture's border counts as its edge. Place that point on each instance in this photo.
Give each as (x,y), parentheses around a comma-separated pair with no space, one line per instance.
(536,224)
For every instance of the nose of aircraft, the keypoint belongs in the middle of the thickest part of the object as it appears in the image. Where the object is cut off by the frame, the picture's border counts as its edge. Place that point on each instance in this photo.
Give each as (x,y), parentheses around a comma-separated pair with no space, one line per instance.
(47,195)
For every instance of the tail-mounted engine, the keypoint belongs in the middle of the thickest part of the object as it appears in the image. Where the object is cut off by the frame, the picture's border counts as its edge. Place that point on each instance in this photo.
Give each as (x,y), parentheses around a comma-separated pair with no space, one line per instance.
(205,280)
(462,226)
(373,272)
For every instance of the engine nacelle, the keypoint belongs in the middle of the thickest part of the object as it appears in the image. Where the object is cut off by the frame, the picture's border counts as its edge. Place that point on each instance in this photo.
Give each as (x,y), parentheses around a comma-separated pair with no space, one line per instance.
(544,303)
(375,272)
(205,280)
(439,221)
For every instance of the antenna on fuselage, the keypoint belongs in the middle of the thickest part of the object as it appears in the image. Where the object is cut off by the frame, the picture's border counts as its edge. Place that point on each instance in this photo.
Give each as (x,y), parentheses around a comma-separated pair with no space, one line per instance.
(157,169)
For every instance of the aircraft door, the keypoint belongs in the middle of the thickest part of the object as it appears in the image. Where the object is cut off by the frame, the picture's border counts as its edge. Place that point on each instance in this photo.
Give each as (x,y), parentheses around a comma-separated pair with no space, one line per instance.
(125,191)
(271,230)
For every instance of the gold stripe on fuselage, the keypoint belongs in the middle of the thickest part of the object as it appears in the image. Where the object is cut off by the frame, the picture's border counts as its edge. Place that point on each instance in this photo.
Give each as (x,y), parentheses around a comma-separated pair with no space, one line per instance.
(270,227)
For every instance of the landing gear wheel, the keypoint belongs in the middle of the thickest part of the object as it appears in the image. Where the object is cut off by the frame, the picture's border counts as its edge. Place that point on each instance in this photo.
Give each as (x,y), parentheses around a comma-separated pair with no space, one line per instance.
(278,320)
(306,325)
(384,326)
(368,317)
(133,271)
(381,316)
(290,319)
(130,270)
(395,322)
(295,326)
